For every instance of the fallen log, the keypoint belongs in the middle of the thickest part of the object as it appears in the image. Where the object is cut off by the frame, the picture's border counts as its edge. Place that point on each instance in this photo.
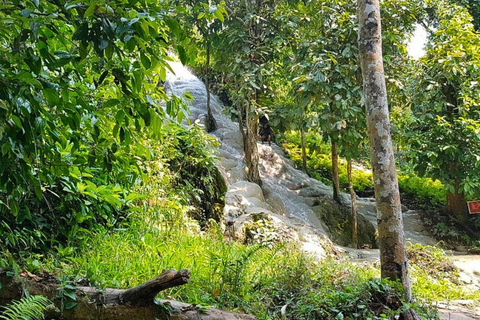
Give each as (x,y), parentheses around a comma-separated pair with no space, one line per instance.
(136,303)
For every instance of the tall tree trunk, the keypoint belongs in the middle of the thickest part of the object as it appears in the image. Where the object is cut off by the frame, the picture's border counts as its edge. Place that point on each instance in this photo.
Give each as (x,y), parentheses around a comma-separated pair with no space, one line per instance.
(304,153)
(456,202)
(393,257)
(241,124)
(335,178)
(250,147)
(211,124)
(354,205)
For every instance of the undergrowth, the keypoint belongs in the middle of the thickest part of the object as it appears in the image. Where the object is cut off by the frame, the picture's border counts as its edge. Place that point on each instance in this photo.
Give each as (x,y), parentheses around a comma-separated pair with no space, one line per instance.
(420,193)
(319,166)
(274,281)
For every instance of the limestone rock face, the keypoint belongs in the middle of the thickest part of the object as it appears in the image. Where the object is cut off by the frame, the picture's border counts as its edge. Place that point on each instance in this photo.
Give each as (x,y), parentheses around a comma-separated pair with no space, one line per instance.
(288,197)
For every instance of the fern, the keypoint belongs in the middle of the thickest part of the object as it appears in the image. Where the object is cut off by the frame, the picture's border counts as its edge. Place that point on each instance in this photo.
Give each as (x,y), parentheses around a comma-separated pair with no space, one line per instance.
(28,308)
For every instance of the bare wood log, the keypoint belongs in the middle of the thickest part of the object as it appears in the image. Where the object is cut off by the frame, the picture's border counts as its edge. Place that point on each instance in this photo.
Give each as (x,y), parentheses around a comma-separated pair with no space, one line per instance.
(145,293)
(137,303)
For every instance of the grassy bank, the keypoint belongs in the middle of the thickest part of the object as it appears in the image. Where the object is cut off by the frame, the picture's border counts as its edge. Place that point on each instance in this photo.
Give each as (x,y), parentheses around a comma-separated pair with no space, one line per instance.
(166,227)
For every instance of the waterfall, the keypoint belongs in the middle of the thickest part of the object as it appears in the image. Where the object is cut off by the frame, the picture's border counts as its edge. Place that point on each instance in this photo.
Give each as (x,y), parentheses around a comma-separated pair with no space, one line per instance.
(288,195)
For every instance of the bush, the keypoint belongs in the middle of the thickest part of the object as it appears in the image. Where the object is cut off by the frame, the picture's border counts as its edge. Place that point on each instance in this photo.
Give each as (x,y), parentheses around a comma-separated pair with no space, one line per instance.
(319,162)
(92,199)
(429,190)
(319,166)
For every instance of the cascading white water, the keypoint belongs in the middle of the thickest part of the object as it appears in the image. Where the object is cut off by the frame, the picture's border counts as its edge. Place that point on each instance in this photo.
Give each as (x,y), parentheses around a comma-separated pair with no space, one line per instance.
(288,194)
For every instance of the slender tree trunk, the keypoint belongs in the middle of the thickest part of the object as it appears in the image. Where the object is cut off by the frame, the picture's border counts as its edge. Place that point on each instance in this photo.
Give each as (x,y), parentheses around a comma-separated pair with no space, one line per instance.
(211,124)
(241,124)
(250,147)
(393,257)
(335,178)
(304,153)
(354,205)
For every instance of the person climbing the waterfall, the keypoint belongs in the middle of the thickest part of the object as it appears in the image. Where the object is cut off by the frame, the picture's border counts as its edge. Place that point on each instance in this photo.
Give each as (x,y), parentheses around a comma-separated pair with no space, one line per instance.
(266,133)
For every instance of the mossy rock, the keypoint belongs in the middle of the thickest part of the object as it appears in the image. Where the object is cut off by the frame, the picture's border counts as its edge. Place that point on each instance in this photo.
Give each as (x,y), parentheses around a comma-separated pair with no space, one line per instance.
(338,220)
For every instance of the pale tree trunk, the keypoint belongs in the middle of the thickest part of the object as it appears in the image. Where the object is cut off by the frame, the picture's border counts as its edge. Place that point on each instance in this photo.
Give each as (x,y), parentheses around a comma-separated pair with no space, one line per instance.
(211,124)
(250,147)
(393,257)
(304,153)
(335,178)
(354,205)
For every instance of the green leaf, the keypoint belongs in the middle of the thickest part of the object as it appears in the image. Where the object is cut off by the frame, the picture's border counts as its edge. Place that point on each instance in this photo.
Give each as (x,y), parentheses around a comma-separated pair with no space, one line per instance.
(15,208)
(109,51)
(70,294)
(182,54)
(70,305)
(6,147)
(122,134)
(51,96)
(138,76)
(25,13)
(174,26)
(111,102)
(81,33)
(145,61)
(219,15)
(91,10)
(38,192)
(3,104)
(17,121)
(163,74)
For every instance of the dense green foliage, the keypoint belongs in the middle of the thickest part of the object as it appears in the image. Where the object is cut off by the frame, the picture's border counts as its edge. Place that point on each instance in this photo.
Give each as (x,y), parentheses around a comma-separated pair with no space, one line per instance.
(444,125)
(79,93)
(99,184)
(319,166)
(251,278)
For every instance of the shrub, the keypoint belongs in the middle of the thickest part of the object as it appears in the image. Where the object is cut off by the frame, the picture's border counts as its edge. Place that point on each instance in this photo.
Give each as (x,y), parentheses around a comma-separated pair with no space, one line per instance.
(319,165)
(426,189)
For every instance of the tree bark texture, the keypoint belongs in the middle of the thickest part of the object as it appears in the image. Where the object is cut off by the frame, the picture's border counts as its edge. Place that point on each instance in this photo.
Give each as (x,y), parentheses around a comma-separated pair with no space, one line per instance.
(353,196)
(457,204)
(241,124)
(335,178)
(211,124)
(393,258)
(304,153)
(113,304)
(251,149)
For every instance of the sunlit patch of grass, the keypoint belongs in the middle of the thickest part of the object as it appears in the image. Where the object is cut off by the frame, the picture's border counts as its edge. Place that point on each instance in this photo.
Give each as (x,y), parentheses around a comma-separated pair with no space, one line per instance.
(434,276)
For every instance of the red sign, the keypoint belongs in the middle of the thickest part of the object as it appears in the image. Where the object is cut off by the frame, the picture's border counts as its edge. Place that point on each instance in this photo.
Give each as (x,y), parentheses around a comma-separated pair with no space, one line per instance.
(474,206)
